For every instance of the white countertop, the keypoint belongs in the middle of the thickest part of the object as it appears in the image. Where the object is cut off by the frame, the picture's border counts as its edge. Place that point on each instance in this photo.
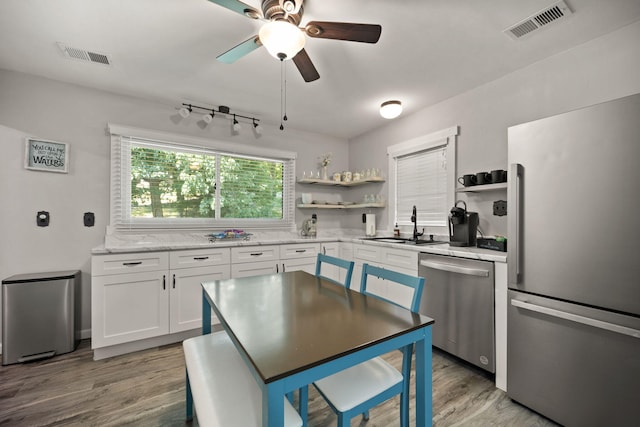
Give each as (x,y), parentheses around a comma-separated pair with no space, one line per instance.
(182,241)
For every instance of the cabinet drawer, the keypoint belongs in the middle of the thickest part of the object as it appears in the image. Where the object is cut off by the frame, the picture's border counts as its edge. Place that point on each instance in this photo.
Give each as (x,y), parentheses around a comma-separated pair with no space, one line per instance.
(199,258)
(400,258)
(255,253)
(367,253)
(301,250)
(104,265)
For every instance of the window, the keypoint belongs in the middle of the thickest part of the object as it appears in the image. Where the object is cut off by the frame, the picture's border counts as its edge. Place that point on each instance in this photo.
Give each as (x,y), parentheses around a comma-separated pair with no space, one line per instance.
(422,174)
(175,185)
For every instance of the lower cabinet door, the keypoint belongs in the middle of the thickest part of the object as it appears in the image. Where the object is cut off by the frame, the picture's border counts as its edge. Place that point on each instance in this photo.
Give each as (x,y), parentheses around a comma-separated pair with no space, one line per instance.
(304,264)
(129,307)
(254,268)
(185,303)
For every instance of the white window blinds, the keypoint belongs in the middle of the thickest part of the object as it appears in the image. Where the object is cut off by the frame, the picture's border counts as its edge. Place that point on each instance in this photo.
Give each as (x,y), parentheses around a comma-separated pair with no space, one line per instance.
(421,181)
(166,185)
(422,174)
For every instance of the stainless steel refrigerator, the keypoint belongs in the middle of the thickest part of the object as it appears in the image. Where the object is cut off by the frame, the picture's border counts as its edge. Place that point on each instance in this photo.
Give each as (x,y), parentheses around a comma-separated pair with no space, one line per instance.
(573,334)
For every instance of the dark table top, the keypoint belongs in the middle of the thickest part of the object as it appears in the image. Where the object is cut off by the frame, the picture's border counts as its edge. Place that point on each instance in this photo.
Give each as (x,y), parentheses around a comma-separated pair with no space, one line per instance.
(293,321)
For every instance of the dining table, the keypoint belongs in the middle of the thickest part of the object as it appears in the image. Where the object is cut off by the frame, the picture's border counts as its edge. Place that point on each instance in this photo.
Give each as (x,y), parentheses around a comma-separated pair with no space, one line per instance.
(294,328)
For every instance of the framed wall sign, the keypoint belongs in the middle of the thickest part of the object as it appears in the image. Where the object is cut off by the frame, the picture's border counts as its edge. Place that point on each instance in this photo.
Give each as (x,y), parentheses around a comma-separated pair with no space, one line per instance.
(47,156)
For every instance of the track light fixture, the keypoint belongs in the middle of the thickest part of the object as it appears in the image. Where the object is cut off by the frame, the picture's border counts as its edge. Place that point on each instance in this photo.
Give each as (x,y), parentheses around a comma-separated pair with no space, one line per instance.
(210,113)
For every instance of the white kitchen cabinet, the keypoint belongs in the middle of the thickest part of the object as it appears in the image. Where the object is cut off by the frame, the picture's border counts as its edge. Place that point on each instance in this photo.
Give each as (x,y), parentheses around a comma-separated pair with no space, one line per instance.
(299,256)
(329,270)
(188,270)
(253,268)
(254,260)
(136,296)
(129,306)
(400,260)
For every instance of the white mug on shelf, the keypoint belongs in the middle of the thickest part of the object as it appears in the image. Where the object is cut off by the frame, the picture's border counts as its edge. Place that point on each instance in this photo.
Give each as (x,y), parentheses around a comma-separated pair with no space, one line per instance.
(307,198)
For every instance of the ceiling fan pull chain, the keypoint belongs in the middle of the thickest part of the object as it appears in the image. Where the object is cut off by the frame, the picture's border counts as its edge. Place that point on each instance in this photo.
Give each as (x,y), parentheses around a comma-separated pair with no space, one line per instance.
(285,90)
(282,114)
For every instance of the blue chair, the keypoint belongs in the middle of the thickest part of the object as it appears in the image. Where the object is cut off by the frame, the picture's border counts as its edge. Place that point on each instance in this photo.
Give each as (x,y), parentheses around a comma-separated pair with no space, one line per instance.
(357,389)
(341,263)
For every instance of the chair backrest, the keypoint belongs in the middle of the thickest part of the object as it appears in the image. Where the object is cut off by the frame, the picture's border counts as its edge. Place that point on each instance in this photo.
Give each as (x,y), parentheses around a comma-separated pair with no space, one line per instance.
(416,283)
(347,265)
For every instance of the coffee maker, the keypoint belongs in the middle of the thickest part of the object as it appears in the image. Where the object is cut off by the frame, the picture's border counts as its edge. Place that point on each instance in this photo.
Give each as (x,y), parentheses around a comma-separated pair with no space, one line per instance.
(463,226)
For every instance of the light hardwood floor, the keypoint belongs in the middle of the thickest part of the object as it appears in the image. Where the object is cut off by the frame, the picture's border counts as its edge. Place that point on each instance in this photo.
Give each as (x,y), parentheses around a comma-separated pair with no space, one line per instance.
(147,389)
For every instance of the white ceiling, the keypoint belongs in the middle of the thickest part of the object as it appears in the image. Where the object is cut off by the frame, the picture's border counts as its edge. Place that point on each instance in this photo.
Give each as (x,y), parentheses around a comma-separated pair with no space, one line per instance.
(165,50)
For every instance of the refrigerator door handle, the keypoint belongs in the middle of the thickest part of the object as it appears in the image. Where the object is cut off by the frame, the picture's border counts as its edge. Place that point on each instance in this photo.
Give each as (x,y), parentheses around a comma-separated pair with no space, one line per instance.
(577,318)
(514,196)
(481,272)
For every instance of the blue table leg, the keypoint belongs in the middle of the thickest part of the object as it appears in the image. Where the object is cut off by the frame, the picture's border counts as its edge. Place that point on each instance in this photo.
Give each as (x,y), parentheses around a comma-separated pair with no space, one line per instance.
(303,404)
(206,314)
(424,393)
(273,404)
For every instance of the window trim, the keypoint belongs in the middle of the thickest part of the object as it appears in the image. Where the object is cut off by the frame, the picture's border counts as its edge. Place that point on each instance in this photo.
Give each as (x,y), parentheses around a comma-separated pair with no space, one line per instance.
(443,138)
(119,133)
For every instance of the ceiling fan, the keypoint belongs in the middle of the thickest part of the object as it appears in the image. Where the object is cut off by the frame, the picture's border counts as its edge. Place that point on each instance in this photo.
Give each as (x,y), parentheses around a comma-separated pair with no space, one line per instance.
(283,37)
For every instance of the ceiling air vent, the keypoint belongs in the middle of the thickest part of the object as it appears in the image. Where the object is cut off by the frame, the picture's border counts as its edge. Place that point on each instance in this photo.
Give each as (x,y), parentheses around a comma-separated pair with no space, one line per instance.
(535,22)
(84,55)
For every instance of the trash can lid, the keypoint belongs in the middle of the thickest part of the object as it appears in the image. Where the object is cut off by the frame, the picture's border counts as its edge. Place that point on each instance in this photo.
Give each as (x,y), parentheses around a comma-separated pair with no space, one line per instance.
(39,277)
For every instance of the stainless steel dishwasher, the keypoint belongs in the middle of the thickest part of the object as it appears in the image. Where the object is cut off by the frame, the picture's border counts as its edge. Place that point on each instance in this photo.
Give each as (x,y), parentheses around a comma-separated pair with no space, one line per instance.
(459,295)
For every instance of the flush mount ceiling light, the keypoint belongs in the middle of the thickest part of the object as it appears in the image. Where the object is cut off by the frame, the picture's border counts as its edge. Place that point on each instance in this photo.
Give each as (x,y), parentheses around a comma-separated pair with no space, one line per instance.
(391,109)
(282,39)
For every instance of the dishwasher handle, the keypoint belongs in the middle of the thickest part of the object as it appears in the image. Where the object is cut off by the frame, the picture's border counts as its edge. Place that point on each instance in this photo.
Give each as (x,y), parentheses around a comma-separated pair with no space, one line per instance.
(481,272)
(577,318)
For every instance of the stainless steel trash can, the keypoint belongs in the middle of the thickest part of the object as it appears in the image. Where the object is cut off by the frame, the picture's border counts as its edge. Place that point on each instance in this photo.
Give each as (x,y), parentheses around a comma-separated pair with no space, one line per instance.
(40,315)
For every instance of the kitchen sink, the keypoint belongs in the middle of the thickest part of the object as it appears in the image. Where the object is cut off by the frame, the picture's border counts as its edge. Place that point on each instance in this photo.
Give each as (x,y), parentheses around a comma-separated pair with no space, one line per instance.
(405,241)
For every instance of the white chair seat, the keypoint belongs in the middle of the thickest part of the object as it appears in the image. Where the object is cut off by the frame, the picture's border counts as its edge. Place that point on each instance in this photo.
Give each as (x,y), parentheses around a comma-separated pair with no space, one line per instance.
(357,384)
(224,391)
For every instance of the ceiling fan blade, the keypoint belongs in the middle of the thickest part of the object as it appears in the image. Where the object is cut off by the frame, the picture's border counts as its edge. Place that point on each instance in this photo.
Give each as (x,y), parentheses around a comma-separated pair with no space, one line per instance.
(239,7)
(305,66)
(237,52)
(365,33)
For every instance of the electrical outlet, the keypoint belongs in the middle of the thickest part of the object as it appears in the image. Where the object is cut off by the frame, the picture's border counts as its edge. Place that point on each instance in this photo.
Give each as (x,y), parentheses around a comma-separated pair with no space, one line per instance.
(89,219)
(500,207)
(42,219)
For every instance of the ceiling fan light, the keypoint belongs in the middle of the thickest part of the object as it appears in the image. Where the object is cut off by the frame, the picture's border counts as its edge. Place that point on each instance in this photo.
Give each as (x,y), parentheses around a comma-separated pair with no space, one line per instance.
(390,109)
(282,39)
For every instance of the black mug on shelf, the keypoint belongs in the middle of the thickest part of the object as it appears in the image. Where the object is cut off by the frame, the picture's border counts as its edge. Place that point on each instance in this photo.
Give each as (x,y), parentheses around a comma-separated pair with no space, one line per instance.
(467,180)
(483,178)
(498,175)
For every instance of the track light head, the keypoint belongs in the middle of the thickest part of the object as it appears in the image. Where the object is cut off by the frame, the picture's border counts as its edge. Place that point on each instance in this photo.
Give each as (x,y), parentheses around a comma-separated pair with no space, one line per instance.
(257,128)
(236,125)
(209,117)
(185,111)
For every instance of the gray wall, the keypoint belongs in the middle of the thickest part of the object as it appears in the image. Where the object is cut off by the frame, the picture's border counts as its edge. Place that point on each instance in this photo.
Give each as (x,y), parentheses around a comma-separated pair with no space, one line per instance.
(603,69)
(42,108)
(597,71)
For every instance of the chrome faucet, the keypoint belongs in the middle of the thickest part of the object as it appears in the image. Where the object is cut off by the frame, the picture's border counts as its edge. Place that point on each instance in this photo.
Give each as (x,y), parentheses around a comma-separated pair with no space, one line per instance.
(414,220)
